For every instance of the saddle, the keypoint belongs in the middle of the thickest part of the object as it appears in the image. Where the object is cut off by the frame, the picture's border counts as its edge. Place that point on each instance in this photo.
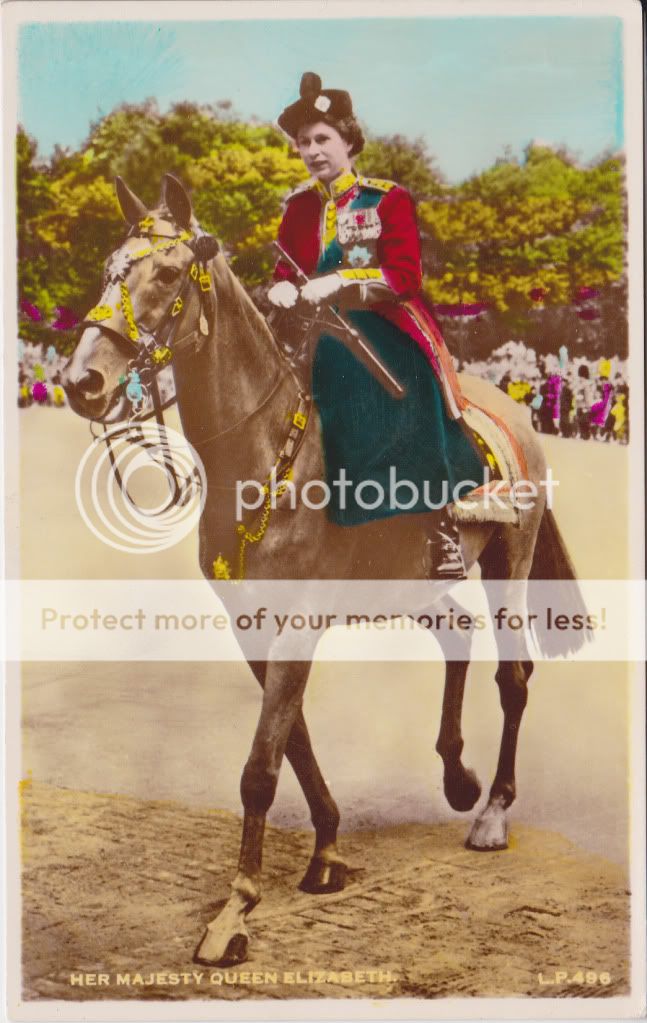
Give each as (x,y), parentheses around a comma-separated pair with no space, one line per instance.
(494,500)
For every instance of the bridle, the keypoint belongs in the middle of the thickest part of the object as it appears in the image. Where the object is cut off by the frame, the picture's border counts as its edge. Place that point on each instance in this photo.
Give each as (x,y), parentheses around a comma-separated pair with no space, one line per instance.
(156,346)
(155,350)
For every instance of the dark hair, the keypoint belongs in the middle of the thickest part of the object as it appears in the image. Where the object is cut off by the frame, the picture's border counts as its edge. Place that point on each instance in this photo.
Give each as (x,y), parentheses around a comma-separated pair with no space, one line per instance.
(348,128)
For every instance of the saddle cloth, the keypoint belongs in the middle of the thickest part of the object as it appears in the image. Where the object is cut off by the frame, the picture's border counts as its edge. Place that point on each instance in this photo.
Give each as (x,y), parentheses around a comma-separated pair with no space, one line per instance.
(494,500)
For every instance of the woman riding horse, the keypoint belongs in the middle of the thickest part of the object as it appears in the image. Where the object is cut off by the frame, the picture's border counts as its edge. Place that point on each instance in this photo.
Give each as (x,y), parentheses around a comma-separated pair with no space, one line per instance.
(359,237)
(234,388)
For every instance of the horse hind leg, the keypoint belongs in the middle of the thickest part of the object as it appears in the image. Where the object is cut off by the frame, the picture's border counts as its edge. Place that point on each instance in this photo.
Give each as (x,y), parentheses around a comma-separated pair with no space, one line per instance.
(326,871)
(490,829)
(504,568)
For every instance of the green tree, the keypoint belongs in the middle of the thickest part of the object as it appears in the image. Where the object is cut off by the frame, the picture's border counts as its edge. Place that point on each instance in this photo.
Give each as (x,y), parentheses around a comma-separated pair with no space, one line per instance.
(398,159)
(33,199)
(543,226)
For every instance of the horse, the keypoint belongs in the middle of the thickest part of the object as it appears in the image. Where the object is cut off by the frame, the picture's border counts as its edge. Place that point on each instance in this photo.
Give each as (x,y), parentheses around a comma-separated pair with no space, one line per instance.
(237,393)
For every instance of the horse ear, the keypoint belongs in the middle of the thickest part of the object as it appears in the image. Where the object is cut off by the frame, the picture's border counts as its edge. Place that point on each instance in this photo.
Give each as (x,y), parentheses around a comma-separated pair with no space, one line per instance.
(175,197)
(132,208)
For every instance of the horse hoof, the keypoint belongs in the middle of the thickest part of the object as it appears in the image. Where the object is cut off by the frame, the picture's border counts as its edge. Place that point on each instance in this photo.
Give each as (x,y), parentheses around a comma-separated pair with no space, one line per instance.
(218,949)
(323,876)
(462,789)
(489,832)
(210,954)
(236,951)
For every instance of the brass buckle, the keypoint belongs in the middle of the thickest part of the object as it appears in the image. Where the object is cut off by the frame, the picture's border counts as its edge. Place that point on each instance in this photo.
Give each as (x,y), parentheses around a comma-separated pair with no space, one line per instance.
(162,355)
(299,420)
(205,281)
(177,306)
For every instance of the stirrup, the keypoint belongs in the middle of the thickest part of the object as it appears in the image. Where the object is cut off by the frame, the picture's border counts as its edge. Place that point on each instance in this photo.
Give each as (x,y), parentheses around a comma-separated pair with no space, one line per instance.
(446,558)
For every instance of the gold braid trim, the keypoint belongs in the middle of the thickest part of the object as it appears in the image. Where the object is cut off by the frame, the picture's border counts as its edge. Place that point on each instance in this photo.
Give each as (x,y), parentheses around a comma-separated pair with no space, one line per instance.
(128,311)
(342,184)
(165,243)
(99,312)
(380,183)
(368,273)
(330,223)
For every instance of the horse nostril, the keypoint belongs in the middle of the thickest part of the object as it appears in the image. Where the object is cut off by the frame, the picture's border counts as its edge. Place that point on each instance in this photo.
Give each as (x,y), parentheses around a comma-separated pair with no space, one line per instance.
(91,382)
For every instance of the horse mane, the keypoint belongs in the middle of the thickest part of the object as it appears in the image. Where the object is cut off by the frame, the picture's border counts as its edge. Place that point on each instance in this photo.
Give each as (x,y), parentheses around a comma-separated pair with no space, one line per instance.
(241,309)
(240,306)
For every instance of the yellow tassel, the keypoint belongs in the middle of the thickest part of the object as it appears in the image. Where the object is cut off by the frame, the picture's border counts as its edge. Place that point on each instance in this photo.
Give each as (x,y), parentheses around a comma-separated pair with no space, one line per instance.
(221,568)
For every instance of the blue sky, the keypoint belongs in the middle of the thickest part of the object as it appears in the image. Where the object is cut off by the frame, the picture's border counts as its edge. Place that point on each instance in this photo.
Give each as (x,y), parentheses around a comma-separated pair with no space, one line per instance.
(468,86)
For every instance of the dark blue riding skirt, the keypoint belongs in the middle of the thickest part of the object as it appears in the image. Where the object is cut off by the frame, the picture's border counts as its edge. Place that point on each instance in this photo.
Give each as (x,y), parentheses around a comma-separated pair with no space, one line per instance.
(380,441)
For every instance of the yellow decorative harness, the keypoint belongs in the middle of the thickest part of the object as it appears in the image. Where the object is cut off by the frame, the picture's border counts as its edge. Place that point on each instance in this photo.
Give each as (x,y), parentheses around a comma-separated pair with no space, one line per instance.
(281,472)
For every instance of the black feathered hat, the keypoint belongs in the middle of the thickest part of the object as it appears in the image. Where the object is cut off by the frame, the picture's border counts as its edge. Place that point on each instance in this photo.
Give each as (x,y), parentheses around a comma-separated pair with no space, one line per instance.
(315,103)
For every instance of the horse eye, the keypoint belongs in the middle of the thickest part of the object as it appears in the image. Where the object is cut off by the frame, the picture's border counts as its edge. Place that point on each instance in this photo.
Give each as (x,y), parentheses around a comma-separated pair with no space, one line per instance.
(168,274)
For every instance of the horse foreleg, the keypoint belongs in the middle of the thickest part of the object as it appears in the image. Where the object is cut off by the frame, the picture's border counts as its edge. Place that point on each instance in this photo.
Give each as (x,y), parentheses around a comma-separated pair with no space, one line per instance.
(326,871)
(226,938)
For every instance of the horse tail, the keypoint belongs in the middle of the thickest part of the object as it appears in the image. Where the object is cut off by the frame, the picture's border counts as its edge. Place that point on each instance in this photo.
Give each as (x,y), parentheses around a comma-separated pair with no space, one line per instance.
(551,562)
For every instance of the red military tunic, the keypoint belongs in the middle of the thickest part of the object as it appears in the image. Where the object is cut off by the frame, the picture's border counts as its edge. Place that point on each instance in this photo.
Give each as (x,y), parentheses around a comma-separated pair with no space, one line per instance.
(365,230)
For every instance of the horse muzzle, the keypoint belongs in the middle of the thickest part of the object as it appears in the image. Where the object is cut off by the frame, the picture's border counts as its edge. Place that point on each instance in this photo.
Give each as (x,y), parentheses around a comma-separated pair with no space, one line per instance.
(88,396)
(91,378)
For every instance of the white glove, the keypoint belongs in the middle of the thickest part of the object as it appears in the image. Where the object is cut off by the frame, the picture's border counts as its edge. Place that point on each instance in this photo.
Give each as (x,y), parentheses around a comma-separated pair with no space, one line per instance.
(321,288)
(283,294)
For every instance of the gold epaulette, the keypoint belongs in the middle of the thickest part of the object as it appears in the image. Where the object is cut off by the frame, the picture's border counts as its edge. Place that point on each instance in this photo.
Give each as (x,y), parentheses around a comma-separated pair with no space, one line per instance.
(379,183)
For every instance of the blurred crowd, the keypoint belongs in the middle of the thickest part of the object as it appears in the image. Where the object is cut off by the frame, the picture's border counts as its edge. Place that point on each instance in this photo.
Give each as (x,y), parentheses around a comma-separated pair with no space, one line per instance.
(39,375)
(40,372)
(577,397)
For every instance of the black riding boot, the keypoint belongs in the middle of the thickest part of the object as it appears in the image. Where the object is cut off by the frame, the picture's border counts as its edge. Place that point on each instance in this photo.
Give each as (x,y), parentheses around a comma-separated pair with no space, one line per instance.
(443,552)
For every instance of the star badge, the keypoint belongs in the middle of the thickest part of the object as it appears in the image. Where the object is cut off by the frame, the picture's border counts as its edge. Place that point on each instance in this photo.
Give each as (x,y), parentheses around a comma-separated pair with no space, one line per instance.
(359,256)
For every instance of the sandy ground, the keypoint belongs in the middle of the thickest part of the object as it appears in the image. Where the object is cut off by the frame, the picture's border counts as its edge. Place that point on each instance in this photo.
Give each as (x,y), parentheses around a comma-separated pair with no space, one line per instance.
(117,886)
(182,733)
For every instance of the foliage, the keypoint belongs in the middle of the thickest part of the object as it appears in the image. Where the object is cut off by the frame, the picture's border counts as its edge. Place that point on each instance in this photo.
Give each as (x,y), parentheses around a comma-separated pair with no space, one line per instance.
(398,159)
(522,237)
(545,225)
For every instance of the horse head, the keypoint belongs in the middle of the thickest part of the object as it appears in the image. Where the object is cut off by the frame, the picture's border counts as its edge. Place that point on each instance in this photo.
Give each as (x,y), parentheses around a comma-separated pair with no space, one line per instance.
(153,282)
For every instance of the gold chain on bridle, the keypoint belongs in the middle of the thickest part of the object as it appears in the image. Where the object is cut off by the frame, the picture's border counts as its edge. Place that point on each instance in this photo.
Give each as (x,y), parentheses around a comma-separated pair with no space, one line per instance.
(277,483)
